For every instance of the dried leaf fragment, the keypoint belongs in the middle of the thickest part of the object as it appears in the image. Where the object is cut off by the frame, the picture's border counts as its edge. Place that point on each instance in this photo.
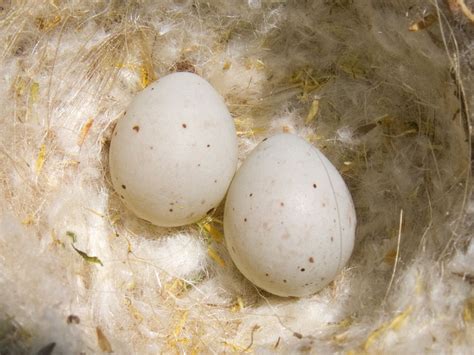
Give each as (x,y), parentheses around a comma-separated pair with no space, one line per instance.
(468,312)
(425,22)
(184,65)
(238,306)
(176,287)
(28,220)
(71,235)
(103,342)
(226,65)
(40,159)
(395,324)
(389,258)
(47,23)
(90,259)
(214,256)
(144,76)
(215,234)
(313,111)
(84,130)
(180,324)
(34,91)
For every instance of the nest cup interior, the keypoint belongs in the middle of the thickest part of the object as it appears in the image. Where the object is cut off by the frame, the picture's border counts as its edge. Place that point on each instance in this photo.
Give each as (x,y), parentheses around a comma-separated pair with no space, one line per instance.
(382,88)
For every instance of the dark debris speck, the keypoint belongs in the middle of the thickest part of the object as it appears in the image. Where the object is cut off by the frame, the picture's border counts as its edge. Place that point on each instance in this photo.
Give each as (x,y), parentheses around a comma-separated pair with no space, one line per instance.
(73,319)
(297,335)
(46,350)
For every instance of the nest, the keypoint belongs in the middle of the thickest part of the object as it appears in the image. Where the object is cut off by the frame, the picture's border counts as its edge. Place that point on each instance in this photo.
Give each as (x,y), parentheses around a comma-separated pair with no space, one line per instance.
(383,88)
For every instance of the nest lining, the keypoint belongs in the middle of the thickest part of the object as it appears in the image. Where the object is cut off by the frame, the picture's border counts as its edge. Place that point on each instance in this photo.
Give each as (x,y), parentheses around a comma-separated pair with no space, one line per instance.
(383,88)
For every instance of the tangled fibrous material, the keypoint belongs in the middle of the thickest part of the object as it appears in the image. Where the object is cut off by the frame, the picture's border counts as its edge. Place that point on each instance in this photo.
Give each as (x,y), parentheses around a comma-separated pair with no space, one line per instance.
(384,88)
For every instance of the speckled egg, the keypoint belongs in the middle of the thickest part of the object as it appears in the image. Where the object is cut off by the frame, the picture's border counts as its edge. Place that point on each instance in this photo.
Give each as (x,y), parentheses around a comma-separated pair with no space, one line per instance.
(174,152)
(289,218)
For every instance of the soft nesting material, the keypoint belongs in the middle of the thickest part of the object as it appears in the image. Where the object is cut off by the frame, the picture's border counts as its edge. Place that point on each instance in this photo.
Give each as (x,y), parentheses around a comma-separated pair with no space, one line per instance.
(383,88)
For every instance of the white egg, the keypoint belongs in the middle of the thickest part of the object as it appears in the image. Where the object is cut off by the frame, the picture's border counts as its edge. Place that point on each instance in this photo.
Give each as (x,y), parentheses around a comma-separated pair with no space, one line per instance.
(289,219)
(174,152)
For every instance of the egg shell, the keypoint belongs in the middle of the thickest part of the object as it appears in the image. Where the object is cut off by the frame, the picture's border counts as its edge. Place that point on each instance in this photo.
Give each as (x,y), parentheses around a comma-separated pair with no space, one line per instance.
(174,152)
(289,219)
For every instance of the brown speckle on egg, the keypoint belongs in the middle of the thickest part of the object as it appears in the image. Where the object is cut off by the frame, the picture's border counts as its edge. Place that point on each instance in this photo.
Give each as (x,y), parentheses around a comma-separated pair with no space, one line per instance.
(184,125)
(311,259)
(136,128)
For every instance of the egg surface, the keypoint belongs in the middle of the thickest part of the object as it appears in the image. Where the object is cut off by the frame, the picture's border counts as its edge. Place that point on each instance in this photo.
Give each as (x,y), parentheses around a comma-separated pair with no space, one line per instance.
(289,220)
(174,152)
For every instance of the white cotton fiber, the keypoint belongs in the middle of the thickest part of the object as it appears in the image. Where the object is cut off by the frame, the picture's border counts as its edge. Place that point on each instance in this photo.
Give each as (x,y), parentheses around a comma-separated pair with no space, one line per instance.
(384,89)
